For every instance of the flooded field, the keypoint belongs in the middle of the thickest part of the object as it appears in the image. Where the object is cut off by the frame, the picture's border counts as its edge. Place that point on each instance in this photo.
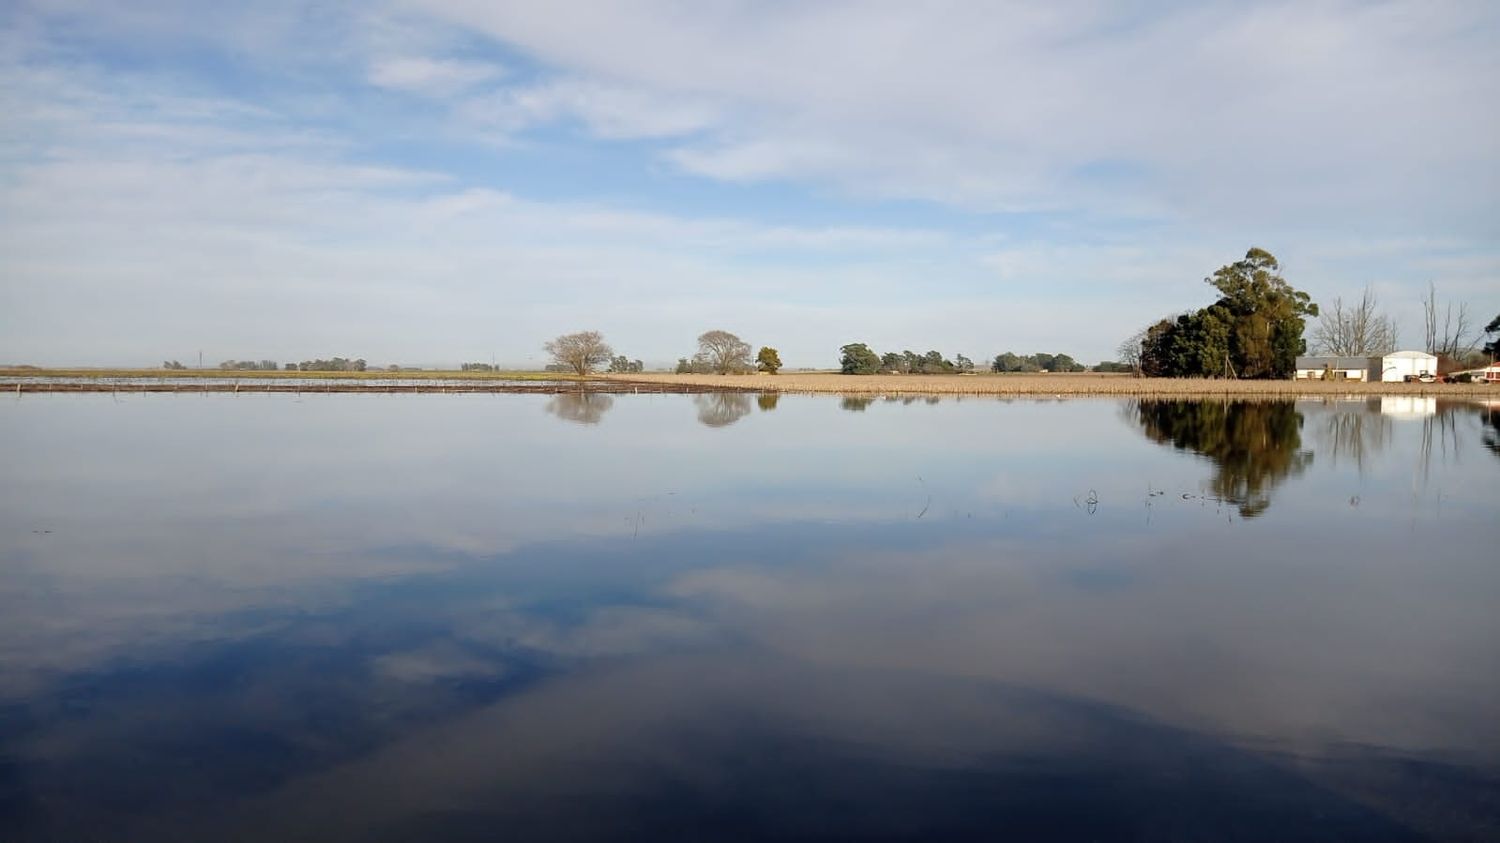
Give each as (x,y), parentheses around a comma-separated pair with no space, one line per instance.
(733,616)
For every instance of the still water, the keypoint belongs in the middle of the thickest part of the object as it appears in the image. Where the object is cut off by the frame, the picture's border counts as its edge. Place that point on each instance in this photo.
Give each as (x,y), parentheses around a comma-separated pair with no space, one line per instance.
(723,617)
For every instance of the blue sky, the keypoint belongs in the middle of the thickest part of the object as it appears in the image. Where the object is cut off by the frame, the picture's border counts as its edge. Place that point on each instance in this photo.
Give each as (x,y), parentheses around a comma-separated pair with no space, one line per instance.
(434,181)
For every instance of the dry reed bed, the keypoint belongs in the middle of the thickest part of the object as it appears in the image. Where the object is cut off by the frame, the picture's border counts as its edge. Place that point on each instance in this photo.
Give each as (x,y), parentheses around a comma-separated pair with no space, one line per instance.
(1080,384)
(18,387)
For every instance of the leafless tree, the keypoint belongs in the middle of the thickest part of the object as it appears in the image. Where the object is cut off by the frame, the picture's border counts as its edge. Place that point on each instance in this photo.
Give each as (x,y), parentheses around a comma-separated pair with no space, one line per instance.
(580,352)
(1448,333)
(1355,330)
(724,352)
(580,407)
(1130,351)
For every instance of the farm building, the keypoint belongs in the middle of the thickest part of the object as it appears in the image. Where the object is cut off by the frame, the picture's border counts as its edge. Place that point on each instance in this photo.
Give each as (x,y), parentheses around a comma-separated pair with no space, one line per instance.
(1391,368)
(1337,368)
(1397,365)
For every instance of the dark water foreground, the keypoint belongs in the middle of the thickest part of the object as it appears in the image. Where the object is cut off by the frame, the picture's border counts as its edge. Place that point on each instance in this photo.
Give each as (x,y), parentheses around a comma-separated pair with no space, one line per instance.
(724,617)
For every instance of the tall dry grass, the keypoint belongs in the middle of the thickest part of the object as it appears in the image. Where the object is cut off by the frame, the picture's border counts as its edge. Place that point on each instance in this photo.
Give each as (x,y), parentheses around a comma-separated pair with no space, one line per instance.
(1043,384)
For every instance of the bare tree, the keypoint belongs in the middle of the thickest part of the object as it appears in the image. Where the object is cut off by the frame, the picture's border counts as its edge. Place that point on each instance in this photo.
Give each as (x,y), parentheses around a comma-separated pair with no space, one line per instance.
(580,352)
(724,352)
(1355,330)
(1130,351)
(1448,334)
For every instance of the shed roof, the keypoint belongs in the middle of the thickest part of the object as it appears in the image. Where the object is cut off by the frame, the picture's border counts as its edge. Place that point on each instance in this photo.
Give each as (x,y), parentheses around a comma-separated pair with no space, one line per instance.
(1335,362)
(1411,355)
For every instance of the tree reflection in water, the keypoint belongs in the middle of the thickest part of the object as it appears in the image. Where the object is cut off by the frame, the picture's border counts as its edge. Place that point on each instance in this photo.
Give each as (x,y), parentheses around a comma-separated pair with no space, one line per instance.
(1352,431)
(580,407)
(1254,444)
(721,409)
(856,403)
(767,400)
(1491,417)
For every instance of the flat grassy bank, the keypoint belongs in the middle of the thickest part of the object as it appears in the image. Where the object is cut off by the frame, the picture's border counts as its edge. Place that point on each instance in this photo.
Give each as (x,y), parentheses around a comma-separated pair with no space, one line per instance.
(14,373)
(1044,384)
(1080,384)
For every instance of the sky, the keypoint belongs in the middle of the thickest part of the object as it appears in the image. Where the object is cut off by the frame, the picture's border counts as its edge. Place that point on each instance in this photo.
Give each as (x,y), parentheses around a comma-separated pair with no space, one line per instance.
(428,182)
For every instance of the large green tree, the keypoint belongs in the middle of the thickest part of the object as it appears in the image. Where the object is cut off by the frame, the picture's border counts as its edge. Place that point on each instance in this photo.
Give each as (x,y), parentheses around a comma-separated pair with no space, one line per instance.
(856,358)
(1254,330)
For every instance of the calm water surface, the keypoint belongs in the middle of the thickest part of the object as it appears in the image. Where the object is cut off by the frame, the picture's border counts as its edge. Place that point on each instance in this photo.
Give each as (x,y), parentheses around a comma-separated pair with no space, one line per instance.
(733,617)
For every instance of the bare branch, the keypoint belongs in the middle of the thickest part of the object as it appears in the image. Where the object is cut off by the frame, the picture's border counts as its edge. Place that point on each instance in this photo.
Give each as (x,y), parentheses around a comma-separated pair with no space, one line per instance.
(1355,330)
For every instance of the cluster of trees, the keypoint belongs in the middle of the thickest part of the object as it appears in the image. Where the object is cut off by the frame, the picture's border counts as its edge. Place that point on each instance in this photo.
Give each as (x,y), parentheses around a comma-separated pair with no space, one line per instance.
(172,364)
(857,358)
(249,365)
(585,351)
(337,364)
(1254,330)
(1009,362)
(478,367)
(723,353)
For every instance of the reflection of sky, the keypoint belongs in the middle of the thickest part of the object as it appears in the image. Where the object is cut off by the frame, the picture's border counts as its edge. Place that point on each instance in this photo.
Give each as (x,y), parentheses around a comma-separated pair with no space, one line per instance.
(471,600)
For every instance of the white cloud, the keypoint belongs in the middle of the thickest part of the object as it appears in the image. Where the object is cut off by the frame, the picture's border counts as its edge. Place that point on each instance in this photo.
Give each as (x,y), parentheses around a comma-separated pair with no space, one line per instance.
(1291,109)
(431,76)
(1137,155)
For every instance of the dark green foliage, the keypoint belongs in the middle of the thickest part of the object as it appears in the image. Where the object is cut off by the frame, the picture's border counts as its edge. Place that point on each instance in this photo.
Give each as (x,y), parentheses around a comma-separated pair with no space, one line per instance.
(768,360)
(1113,367)
(857,359)
(1254,330)
(1492,348)
(622,365)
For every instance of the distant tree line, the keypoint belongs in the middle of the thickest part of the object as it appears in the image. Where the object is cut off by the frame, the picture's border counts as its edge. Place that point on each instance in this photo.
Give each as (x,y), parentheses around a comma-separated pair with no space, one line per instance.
(1009,362)
(172,364)
(247,365)
(478,367)
(859,359)
(337,364)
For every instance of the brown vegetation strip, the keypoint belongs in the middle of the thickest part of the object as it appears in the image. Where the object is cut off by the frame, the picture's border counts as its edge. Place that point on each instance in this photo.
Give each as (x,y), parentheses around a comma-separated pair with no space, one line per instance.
(616,388)
(797,382)
(1071,384)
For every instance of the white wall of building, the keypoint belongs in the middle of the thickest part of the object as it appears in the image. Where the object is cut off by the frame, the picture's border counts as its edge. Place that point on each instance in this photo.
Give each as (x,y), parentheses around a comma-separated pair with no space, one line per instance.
(1396,366)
